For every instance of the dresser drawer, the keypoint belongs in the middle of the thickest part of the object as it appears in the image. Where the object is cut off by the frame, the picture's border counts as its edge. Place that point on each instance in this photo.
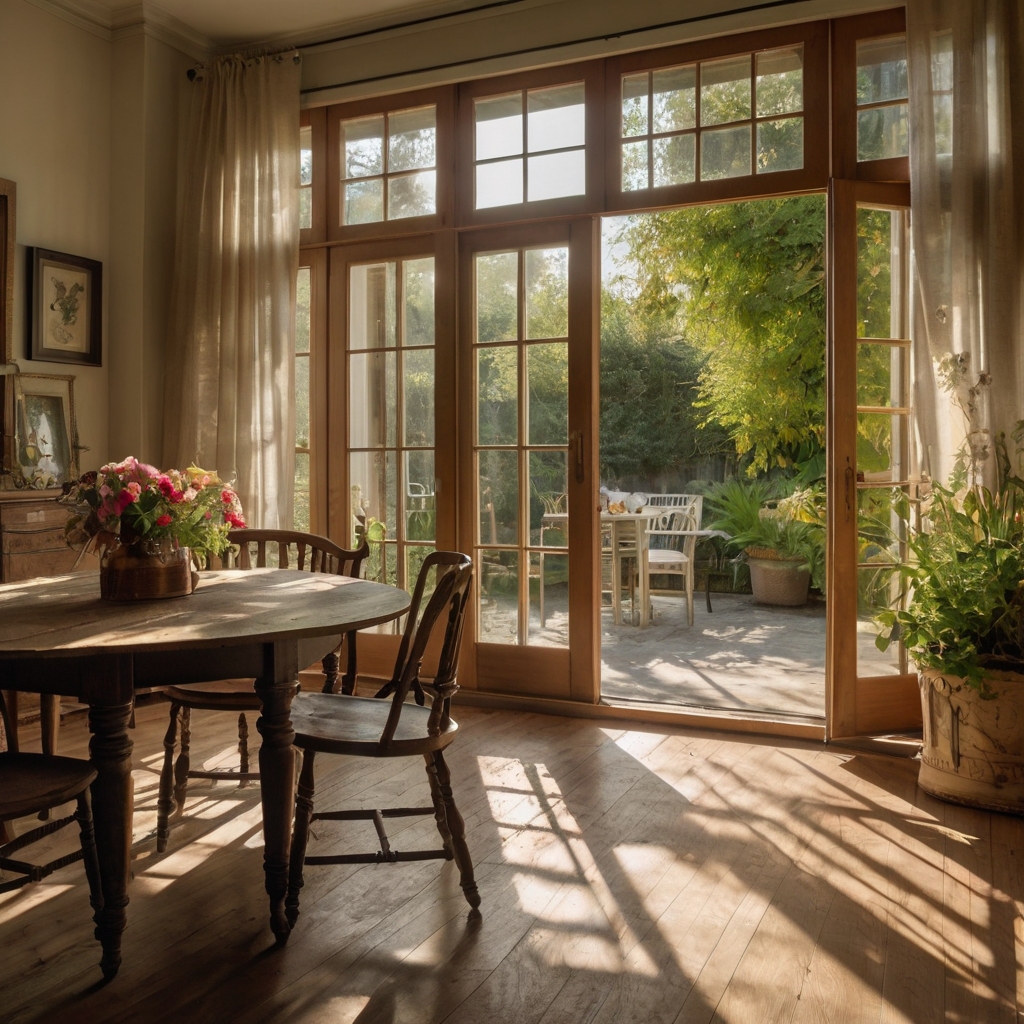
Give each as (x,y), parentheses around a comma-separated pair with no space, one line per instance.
(31,515)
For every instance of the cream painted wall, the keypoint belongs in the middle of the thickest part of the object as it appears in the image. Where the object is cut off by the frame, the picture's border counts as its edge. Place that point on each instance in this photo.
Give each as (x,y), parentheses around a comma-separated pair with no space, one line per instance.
(55,130)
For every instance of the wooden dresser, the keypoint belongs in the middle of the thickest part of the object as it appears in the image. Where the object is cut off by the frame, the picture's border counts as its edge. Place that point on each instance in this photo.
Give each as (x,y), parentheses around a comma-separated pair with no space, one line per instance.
(32,538)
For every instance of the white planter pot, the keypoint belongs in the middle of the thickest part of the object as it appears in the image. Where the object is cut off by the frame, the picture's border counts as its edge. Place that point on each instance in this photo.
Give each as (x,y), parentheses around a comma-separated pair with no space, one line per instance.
(973,749)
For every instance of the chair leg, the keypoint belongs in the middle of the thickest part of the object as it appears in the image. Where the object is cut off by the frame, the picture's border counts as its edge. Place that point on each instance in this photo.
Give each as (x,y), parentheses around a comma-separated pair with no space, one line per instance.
(89,856)
(243,749)
(164,803)
(331,665)
(689,596)
(181,767)
(300,836)
(348,682)
(439,810)
(457,827)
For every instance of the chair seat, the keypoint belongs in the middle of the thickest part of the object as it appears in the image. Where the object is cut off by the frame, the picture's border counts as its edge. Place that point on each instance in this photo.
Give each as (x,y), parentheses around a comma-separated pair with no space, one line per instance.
(665,557)
(221,695)
(30,783)
(338,724)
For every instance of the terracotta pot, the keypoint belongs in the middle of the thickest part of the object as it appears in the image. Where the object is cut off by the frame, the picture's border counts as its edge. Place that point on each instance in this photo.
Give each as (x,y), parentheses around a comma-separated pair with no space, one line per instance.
(973,749)
(779,582)
(146,570)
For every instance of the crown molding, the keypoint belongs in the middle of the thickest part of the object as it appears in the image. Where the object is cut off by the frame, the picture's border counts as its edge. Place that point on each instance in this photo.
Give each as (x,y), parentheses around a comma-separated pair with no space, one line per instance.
(144,18)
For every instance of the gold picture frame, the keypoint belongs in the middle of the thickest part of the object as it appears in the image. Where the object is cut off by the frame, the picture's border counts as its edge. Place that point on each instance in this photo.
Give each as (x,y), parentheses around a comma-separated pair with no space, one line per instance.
(46,446)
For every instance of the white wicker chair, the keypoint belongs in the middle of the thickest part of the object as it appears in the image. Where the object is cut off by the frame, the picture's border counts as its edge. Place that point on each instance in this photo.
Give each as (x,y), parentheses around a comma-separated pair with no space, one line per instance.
(671,542)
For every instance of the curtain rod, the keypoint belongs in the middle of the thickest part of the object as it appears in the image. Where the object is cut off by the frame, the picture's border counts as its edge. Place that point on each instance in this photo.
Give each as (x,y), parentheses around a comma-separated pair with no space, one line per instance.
(693,19)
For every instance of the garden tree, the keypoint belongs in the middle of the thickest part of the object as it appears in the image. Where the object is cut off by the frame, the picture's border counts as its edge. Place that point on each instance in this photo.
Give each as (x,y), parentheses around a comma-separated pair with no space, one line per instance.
(745,286)
(649,375)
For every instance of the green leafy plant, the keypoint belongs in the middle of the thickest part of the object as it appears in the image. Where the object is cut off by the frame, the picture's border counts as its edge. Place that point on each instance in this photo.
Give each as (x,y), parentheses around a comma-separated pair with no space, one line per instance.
(964,582)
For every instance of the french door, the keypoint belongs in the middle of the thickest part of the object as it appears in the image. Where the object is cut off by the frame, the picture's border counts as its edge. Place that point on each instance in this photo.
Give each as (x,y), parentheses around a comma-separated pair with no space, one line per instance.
(872,460)
(527,451)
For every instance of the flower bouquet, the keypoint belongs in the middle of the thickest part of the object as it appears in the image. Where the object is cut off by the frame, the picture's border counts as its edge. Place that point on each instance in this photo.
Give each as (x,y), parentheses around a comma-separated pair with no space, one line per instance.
(147,525)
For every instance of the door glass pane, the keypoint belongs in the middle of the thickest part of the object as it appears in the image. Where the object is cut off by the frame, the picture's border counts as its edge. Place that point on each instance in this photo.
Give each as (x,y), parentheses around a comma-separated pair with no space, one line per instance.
(364,201)
(300,513)
(549,484)
(557,174)
(881,69)
(372,399)
(497,395)
(411,195)
(499,184)
(879,446)
(302,307)
(305,208)
(634,104)
(877,590)
(499,126)
(879,309)
(725,90)
(547,293)
(418,397)
(372,306)
(412,138)
(418,302)
(780,145)
(302,401)
(547,374)
(634,166)
(368,480)
(881,512)
(498,487)
(883,132)
(555,118)
(780,81)
(420,518)
(725,153)
(881,376)
(499,597)
(549,600)
(363,146)
(497,297)
(674,160)
(675,98)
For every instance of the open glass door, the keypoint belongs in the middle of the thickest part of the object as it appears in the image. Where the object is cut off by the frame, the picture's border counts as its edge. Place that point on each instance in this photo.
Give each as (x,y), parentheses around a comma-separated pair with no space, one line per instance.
(527,500)
(873,478)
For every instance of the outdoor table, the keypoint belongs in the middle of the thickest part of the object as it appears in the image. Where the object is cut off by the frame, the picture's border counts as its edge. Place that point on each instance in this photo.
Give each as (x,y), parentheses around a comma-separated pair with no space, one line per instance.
(57,636)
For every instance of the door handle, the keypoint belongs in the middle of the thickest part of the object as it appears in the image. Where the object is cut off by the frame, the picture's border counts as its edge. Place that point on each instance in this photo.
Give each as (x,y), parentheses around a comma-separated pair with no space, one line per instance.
(849,488)
(576,448)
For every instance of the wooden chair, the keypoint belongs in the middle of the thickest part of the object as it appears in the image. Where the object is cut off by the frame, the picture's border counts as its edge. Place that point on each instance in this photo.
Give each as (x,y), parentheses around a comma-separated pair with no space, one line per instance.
(250,548)
(375,727)
(33,784)
(671,541)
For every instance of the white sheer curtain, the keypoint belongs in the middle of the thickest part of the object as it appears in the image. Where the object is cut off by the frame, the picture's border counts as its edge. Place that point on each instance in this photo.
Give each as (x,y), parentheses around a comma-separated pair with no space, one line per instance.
(229,386)
(966,69)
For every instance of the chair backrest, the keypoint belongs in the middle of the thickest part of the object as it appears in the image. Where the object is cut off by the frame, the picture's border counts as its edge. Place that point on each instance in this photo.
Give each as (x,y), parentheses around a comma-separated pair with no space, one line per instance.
(678,501)
(312,553)
(451,594)
(674,528)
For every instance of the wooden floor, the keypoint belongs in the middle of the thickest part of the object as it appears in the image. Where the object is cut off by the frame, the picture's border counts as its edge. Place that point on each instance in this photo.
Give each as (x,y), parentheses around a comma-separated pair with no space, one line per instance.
(641,875)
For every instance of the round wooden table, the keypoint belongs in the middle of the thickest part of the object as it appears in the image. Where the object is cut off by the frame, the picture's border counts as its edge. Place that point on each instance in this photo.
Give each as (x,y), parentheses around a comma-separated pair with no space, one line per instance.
(57,636)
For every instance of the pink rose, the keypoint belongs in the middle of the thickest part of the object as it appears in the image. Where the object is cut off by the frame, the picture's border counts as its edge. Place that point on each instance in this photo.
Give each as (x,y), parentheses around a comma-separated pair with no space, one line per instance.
(164,520)
(135,490)
(123,500)
(227,497)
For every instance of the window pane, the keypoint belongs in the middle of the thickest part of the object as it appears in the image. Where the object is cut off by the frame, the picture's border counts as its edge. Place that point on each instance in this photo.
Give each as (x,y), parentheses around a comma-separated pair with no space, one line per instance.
(412,138)
(363,146)
(372,306)
(499,184)
(675,98)
(634,166)
(305,208)
(881,69)
(879,445)
(411,195)
(549,600)
(306,156)
(420,519)
(556,118)
(497,297)
(547,293)
(674,160)
(881,380)
(725,153)
(725,91)
(780,81)
(497,375)
(302,401)
(499,497)
(881,514)
(300,495)
(557,174)
(780,145)
(499,597)
(547,412)
(302,306)
(418,302)
(372,400)
(368,475)
(418,397)
(876,310)
(634,104)
(882,132)
(549,486)
(364,201)
(499,126)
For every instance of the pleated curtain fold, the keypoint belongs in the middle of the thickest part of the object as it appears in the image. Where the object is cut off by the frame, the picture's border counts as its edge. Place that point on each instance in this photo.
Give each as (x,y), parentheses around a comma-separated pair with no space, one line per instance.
(229,386)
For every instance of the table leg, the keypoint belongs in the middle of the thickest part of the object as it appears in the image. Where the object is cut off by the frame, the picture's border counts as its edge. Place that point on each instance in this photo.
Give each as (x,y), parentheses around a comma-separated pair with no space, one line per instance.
(643,568)
(112,802)
(277,778)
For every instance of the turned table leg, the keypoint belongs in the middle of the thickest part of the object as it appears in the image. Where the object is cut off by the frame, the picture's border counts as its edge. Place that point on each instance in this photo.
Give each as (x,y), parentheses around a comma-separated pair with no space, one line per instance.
(112,802)
(275,688)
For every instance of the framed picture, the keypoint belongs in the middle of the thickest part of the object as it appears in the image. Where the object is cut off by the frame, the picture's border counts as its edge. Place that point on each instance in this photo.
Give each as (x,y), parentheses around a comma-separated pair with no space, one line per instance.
(45,434)
(8,196)
(65,307)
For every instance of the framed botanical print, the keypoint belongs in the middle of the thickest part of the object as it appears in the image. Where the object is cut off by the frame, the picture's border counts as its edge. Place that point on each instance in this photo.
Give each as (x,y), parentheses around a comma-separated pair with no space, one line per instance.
(65,307)
(45,434)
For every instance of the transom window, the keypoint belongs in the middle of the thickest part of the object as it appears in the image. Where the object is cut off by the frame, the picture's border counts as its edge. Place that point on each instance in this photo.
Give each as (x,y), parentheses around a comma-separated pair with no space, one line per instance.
(713,119)
(882,125)
(388,165)
(530,145)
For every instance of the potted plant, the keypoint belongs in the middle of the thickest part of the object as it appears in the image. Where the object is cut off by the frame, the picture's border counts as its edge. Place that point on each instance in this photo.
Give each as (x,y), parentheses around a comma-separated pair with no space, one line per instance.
(782,538)
(963,627)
